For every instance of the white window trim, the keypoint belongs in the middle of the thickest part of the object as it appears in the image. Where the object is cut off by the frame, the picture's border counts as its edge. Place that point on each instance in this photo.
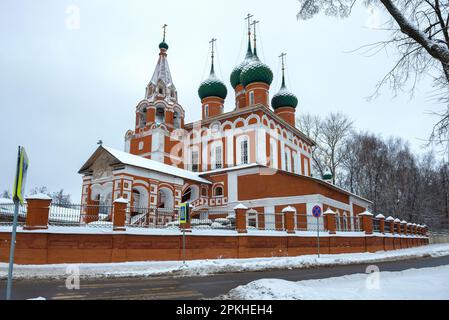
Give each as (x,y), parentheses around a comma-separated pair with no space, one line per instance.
(213,154)
(239,142)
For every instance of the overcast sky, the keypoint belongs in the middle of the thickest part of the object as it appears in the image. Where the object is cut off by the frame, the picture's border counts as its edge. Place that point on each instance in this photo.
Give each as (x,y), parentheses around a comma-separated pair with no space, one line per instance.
(64,85)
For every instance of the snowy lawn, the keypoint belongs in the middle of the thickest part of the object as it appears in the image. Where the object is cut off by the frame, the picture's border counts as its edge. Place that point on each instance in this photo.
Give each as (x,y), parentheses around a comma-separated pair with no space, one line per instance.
(205,267)
(412,284)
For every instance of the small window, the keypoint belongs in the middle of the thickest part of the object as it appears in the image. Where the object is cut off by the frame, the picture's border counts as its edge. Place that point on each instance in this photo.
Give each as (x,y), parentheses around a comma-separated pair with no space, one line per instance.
(218,163)
(176,120)
(160,114)
(206,110)
(204,192)
(195,161)
(251,98)
(187,195)
(141,145)
(219,191)
(244,151)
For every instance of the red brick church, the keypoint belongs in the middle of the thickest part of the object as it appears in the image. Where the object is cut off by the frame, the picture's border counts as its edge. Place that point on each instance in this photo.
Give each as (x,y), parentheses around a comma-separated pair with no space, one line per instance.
(252,155)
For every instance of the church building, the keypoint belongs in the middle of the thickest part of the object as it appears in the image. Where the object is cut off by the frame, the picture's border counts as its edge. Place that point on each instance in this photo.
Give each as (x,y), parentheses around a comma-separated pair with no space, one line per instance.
(253,155)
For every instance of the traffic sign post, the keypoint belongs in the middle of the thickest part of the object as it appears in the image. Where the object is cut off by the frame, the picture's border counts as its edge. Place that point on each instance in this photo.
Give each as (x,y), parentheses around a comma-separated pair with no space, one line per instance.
(183,219)
(18,197)
(316,212)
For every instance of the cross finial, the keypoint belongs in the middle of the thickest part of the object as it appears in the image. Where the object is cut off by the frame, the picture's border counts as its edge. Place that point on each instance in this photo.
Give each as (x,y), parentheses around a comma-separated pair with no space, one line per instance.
(254,24)
(282,59)
(212,42)
(248,17)
(283,67)
(165,31)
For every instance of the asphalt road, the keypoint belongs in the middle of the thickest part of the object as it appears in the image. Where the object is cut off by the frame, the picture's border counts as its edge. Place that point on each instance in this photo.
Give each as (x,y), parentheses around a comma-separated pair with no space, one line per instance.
(204,287)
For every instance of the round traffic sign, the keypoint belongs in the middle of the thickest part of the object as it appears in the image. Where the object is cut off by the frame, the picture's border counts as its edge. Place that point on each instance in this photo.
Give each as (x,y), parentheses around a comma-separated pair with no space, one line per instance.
(316,211)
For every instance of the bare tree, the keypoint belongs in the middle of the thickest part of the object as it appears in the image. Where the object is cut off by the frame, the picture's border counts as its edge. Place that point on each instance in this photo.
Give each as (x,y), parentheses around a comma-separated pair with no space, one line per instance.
(330,134)
(6,195)
(61,198)
(419,33)
(41,189)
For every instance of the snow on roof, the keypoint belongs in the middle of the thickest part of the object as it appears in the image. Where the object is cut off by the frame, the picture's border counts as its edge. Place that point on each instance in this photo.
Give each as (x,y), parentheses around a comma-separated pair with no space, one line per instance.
(141,162)
(366,213)
(390,218)
(380,216)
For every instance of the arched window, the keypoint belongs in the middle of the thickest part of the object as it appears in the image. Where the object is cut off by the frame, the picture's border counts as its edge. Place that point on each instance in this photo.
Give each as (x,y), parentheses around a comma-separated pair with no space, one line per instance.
(251,98)
(206,110)
(273,153)
(242,149)
(195,160)
(187,195)
(345,221)
(136,200)
(143,118)
(176,119)
(218,191)
(216,155)
(288,160)
(160,114)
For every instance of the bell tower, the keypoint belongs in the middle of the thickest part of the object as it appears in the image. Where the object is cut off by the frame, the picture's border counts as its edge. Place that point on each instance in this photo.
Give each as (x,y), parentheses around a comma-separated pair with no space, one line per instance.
(158,116)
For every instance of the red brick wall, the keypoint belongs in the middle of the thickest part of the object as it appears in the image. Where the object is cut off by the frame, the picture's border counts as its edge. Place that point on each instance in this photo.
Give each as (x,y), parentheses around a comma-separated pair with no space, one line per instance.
(46,248)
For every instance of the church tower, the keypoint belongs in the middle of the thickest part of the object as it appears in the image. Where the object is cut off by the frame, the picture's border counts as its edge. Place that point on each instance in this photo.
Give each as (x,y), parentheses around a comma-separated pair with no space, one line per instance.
(284,102)
(158,117)
(212,92)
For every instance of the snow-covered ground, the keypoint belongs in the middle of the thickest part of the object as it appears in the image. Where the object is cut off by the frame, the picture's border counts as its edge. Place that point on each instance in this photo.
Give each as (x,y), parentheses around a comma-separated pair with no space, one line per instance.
(204,267)
(412,284)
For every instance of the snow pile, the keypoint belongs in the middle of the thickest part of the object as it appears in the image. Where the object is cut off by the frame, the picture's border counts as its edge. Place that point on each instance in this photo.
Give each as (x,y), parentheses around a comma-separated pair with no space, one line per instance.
(205,267)
(412,284)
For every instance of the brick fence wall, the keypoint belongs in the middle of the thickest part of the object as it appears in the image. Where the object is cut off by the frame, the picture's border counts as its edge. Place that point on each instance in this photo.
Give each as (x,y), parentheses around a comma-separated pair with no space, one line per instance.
(53,248)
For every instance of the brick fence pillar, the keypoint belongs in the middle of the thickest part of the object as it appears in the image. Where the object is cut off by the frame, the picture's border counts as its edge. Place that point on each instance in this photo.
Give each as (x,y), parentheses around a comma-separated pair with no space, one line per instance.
(289,217)
(119,214)
(425,230)
(367,222)
(38,212)
(381,219)
(390,221)
(404,227)
(240,218)
(329,217)
(397,225)
(414,227)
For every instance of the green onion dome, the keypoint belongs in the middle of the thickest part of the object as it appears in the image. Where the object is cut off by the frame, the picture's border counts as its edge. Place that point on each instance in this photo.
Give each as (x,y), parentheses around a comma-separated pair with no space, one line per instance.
(163,45)
(235,74)
(212,87)
(284,98)
(327,175)
(256,71)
